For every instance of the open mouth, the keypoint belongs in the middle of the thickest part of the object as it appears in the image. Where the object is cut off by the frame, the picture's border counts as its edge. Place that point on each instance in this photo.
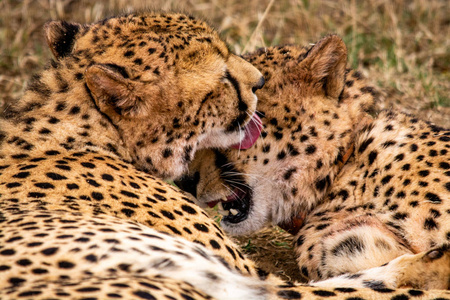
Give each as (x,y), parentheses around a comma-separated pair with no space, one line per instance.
(235,207)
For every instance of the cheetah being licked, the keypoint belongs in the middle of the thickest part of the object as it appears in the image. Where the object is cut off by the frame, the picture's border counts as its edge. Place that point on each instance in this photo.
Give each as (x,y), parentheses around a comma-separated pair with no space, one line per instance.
(356,192)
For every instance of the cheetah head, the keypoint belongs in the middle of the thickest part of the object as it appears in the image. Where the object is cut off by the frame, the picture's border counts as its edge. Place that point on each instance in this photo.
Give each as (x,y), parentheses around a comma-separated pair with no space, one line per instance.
(167,82)
(311,105)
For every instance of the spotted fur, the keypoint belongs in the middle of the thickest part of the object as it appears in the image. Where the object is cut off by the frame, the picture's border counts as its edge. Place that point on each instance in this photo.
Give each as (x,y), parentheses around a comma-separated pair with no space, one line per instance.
(81,215)
(389,200)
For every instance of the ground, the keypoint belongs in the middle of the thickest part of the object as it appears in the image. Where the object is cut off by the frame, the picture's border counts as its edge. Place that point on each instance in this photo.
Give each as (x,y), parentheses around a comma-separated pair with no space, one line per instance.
(402,46)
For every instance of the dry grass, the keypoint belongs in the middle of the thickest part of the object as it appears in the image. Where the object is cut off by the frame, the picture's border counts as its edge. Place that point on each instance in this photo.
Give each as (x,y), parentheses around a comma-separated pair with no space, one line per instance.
(402,45)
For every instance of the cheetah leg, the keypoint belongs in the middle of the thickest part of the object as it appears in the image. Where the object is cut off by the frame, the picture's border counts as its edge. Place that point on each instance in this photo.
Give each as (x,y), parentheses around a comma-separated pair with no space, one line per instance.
(349,245)
(426,270)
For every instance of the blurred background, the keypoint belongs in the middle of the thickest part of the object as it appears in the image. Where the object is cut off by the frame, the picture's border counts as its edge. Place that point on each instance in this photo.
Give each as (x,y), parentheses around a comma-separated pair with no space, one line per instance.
(402,46)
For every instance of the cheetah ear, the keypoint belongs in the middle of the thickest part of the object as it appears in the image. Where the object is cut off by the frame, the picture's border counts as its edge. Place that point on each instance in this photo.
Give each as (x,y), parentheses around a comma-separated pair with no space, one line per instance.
(326,62)
(60,37)
(113,92)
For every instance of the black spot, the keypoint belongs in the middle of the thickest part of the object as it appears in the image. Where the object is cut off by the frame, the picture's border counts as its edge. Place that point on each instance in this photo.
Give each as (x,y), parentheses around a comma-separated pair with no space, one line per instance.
(167,152)
(189,209)
(93,182)
(21,175)
(128,53)
(13,185)
(287,175)
(288,294)
(173,229)
(24,262)
(323,183)
(129,194)
(323,293)
(401,195)
(49,251)
(447,186)
(88,165)
(344,194)
(430,224)
(72,186)
(107,177)
(400,216)
(97,196)
(278,135)
(372,156)
(55,176)
(399,157)
(433,198)
(310,149)
(374,284)
(214,244)
(424,173)
(7,252)
(345,290)
(168,214)
(231,251)
(281,155)
(322,226)
(365,144)
(348,246)
(415,293)
(386,179)
(30,293)
(74,110)
(44,185)
(15,281)
(388,127)
(63,167)
(300,241)
(144,295)
(388,144)
(36,195)
(201,227)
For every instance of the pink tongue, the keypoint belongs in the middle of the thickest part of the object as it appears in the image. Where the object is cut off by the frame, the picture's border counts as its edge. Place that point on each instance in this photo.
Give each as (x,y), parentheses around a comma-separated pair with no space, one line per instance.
(252,133)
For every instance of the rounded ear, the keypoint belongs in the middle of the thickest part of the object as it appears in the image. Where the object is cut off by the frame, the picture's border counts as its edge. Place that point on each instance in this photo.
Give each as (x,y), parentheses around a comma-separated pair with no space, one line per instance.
(326,62)
(60,36)
(112,91)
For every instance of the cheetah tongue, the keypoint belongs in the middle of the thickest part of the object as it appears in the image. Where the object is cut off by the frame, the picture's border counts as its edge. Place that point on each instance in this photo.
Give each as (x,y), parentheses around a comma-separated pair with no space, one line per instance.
(252,132)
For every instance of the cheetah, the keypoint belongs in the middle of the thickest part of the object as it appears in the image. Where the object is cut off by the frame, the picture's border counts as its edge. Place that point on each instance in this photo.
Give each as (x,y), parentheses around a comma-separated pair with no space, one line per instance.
(84,209)
(356,191)
(125,103)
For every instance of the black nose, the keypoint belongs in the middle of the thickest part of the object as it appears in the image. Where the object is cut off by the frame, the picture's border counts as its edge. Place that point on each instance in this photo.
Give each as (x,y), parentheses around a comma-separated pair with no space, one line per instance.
(259,84)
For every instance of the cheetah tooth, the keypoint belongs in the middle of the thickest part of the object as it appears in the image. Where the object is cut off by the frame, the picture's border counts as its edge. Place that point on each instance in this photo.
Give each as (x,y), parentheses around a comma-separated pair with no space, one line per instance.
(221,210)
(234,211)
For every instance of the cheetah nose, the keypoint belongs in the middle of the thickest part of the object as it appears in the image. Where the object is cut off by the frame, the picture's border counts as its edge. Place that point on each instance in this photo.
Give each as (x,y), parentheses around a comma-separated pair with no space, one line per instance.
(259,84)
